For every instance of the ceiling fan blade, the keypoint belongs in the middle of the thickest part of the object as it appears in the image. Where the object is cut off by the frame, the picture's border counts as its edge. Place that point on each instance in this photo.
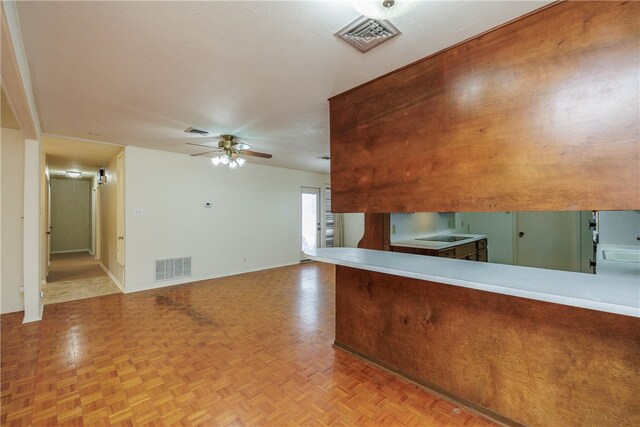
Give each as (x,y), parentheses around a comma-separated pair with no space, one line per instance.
(241,146)
(202,145)
(202,154)
(256,154)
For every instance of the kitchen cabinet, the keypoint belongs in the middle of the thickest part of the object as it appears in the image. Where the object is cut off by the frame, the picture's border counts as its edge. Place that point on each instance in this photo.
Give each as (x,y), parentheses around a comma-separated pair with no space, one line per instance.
(472,251)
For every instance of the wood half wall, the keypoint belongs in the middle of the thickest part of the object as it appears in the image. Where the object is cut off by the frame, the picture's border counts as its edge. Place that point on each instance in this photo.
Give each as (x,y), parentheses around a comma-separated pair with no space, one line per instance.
(539,114)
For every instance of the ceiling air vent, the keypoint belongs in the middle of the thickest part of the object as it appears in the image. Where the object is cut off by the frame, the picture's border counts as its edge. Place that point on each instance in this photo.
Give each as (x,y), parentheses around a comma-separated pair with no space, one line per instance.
(197,131)
(366,33)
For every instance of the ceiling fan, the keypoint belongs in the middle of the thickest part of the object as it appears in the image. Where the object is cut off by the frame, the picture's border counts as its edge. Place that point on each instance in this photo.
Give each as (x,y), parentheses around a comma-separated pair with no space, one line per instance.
(230,149)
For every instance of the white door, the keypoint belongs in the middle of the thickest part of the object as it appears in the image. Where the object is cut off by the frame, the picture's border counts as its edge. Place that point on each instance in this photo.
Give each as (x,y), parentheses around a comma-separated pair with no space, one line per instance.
(310,223)
(120,209)
(548,240)
(47,189)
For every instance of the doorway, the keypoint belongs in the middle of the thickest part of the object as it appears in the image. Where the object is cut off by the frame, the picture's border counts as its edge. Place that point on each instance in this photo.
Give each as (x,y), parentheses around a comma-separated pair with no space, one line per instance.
(548,240)
(311,226)
(81,197)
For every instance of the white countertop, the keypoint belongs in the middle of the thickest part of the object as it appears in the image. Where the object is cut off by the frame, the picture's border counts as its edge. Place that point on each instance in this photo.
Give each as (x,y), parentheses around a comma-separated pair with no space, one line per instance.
(612,292)
(430,244)
(613,268)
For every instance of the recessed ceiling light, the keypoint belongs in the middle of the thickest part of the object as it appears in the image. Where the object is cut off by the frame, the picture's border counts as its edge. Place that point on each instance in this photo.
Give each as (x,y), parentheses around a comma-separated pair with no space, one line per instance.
(74,174)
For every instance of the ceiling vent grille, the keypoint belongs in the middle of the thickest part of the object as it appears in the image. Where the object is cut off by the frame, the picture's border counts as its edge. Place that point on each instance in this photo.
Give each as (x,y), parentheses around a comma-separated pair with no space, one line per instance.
(366,33)
(197,131)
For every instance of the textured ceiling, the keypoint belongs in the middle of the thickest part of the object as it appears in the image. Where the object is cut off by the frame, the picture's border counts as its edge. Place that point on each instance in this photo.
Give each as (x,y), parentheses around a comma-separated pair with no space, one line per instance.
(139,73)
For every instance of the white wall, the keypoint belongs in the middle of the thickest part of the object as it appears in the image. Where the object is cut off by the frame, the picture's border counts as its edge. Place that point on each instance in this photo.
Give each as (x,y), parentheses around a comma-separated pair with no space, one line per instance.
(253,224)
(353,229)
(11,224)
(619,227)
(412,225)
(70,215)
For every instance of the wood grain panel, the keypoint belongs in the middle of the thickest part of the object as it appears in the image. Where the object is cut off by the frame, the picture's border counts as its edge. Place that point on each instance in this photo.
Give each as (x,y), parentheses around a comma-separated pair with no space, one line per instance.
(536,363)
(540,114)
(376,232)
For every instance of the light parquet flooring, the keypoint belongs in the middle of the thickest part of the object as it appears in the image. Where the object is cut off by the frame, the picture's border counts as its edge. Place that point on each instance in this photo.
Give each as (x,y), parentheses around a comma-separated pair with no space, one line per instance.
(252,349)
(74,276)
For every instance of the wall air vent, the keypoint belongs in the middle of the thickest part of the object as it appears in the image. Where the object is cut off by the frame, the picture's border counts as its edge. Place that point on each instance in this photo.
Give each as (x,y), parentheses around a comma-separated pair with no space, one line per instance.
(173,268)
(366,33)
(197,131)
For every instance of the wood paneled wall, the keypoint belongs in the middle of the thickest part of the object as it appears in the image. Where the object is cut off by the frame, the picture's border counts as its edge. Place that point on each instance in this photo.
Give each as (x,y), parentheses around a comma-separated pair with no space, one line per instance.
(540,114)
(536,363)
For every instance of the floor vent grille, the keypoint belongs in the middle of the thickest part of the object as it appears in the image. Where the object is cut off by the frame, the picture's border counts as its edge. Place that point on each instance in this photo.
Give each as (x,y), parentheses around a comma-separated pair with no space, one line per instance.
(173,268)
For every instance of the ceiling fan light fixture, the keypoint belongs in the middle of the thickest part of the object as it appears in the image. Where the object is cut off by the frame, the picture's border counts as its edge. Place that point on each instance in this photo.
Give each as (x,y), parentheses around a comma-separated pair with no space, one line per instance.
(383,9)
(233,164)
(215,161)
(224,159)
(240,161)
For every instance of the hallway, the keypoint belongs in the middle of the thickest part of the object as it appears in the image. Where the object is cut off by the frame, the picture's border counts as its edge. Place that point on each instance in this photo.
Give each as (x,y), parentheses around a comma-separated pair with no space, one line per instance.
(74,276)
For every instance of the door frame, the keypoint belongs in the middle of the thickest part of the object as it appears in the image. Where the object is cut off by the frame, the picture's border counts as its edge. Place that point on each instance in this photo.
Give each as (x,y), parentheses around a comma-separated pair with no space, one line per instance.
(318,192)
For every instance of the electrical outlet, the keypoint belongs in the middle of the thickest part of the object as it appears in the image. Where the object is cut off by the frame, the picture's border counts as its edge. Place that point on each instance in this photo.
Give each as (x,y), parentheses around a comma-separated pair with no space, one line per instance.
(393,229)
(138,212)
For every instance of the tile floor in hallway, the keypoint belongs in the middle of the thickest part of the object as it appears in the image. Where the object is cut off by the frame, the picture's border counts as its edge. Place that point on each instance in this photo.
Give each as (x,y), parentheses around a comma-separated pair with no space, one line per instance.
(74,276)
(251,349)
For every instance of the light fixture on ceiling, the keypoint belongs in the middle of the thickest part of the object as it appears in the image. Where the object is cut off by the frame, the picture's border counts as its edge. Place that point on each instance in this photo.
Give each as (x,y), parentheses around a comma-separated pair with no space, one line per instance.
(233,160)
(230,149)
(383,9)
(74,174)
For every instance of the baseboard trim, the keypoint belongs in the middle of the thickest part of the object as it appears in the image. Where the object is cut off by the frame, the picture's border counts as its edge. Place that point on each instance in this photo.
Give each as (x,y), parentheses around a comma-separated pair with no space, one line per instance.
(470,406)
(71,251)
(112,277)
(14,309)
(192,279)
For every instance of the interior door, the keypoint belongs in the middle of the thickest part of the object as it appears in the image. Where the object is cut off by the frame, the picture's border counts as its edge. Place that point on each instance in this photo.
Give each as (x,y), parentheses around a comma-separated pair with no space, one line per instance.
(120,209)
(310,219)
(47,204)
(548,240)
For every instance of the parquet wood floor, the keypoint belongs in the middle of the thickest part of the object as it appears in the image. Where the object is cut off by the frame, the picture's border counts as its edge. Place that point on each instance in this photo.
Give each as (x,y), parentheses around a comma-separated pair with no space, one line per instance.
(252,349)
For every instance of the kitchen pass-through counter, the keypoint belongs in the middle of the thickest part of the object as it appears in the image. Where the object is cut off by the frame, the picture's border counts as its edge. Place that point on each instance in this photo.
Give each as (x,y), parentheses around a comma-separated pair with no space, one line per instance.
(617,293)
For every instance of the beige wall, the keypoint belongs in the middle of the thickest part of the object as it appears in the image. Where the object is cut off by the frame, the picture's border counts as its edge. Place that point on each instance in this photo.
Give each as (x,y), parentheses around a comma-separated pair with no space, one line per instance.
(107,194)
(70,215)
(11,223)
(353,229)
